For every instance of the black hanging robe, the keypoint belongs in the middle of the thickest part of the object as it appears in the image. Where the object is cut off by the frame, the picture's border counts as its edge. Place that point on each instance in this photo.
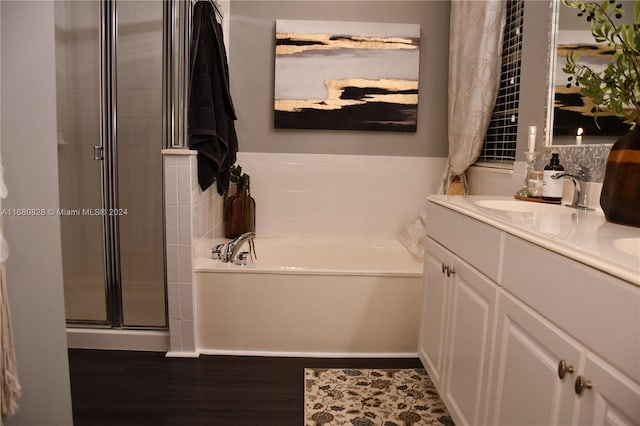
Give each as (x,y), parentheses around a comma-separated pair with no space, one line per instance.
(211,113)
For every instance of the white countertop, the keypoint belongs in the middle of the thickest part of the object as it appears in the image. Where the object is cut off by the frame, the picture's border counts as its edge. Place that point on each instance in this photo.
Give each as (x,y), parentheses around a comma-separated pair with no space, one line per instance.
(582,236)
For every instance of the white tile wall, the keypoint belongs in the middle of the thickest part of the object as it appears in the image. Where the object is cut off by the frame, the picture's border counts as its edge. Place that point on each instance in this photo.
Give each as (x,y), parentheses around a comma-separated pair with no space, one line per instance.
(190,214)
(324,194)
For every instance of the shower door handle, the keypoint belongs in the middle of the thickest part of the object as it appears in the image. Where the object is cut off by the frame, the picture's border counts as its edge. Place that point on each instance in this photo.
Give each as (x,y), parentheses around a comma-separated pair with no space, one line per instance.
(98,152)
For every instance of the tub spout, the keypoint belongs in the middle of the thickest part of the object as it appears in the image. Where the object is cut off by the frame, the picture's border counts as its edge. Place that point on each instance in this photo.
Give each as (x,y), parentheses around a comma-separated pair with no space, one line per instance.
(234,246)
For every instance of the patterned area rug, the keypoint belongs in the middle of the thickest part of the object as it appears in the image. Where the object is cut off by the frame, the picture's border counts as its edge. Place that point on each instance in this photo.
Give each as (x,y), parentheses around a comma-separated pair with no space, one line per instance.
(364,397)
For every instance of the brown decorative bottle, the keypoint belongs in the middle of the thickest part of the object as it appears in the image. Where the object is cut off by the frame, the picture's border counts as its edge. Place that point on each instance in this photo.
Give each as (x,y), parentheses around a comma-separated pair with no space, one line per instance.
(239,214)
(620,197)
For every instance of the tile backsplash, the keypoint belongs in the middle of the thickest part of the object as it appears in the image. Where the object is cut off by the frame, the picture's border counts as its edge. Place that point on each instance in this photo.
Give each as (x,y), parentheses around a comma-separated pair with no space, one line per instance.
(594,157)
(325,194)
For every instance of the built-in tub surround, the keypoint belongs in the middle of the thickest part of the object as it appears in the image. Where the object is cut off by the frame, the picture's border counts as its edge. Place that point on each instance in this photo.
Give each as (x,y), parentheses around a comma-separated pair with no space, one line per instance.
(319,195)
(311,296)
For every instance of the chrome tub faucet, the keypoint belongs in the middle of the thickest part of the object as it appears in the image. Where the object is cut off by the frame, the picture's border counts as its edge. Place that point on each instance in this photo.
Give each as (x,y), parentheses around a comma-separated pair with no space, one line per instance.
(234,246)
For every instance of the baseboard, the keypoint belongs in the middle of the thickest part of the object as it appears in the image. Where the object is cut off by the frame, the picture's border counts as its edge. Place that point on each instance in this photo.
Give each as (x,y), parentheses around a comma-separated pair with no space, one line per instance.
(127,340)
(284,354)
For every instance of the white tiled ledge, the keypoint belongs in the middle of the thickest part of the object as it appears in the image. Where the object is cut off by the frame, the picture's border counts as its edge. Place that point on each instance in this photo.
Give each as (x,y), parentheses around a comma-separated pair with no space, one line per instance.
(178,151)
(493,168)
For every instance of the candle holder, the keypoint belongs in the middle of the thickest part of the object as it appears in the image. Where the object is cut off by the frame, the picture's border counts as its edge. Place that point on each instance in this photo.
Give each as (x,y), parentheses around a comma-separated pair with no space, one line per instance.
(531,157)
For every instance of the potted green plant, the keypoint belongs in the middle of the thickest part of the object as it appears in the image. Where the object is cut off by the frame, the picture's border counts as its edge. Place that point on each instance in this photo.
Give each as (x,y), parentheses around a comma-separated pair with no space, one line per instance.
(240,207)
(616,89)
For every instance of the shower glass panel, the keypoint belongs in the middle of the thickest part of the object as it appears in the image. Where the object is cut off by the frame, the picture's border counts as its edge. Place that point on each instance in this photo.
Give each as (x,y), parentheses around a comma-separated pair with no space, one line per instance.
(114,272)
(139,133)
(78,108)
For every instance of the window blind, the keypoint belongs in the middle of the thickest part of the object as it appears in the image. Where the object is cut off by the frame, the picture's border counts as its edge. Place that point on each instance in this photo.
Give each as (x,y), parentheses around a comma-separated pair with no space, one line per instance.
(500,140)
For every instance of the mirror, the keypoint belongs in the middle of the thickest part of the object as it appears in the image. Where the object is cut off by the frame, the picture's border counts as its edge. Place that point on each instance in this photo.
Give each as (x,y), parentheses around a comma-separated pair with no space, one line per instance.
(569,114)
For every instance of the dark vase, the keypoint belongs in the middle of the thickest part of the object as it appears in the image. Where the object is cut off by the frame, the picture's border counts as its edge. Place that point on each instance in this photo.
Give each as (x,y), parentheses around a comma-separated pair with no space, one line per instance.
(239,214)
(620,197)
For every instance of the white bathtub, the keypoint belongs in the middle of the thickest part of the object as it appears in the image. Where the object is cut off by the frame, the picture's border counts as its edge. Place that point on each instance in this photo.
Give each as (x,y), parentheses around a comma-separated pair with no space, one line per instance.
(310,297)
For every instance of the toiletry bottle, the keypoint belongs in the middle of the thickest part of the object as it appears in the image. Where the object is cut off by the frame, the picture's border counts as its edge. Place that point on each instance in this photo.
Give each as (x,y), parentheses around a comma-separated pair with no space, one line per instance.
(552,188)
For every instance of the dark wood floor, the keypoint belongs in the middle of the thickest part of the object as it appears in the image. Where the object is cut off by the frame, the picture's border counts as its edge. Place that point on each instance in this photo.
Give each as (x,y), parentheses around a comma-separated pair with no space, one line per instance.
(121,388)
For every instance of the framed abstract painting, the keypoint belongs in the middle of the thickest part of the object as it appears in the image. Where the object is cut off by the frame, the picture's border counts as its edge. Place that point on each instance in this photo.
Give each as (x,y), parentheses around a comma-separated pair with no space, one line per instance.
(346,75)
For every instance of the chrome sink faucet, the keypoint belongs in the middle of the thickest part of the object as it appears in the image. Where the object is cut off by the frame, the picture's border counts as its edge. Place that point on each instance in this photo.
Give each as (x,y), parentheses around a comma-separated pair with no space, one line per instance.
(579,193)
(234,246)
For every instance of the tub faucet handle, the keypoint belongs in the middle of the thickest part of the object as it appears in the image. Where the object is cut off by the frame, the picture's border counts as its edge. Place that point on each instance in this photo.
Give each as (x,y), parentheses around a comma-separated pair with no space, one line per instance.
(217,252)
(241,259)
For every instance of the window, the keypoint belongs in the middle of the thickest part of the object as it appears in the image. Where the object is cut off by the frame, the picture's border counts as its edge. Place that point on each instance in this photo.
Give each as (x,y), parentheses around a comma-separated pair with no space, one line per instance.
(500,141)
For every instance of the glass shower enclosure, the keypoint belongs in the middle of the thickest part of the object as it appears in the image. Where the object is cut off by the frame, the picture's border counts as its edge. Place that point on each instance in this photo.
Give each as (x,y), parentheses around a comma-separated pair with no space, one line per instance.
(110,129)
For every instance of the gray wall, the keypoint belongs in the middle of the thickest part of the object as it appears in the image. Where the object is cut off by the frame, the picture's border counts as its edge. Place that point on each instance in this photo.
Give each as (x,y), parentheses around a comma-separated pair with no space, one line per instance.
(34,267)
(251,62)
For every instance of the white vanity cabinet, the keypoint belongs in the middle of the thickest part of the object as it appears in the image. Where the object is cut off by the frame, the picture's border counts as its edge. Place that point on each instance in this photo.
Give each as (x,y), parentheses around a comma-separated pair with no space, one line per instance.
(458,322)
(526,386)
(600,320)
(513,329)
(457,332)
(612,399)
(535,371)
(435,296)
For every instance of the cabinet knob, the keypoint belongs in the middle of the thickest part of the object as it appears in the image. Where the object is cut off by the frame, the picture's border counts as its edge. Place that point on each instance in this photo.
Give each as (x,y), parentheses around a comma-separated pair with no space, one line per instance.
(581,384)
(564,368)
(447,270)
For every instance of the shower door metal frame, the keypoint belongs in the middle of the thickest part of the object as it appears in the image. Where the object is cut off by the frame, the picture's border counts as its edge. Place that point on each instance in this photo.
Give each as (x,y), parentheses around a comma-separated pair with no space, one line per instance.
(107,153)
(109,163)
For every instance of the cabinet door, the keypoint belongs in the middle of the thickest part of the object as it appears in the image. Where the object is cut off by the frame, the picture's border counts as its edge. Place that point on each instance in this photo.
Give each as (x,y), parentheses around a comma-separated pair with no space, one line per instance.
(613,399)
(469,347)
(431,340)
(526,387)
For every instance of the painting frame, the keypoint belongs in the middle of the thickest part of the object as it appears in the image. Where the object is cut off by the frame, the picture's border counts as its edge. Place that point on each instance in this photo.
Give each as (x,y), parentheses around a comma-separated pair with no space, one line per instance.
(339,75)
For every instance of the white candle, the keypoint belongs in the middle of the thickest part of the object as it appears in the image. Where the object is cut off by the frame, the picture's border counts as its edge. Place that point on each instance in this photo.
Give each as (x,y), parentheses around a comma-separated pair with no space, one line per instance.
(532,138)
(579,136)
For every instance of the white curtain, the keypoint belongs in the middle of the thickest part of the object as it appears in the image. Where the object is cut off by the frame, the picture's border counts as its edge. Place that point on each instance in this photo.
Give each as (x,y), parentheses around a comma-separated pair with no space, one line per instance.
(475,57)
(9,386)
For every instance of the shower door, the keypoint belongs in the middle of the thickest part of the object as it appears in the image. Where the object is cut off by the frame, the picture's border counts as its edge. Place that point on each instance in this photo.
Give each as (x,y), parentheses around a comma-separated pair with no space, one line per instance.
(109,97)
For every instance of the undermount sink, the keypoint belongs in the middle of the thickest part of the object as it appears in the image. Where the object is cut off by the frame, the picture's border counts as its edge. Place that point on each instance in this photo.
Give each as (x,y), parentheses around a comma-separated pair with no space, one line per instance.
(628,245)
(525,206)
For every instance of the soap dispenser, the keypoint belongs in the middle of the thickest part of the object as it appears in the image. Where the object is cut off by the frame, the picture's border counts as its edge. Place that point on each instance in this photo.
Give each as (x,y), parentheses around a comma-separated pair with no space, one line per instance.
(552,188)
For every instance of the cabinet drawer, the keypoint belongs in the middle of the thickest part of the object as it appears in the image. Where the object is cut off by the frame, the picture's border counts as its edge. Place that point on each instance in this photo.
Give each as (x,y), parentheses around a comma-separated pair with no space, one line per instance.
(473,241)
(599,310)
